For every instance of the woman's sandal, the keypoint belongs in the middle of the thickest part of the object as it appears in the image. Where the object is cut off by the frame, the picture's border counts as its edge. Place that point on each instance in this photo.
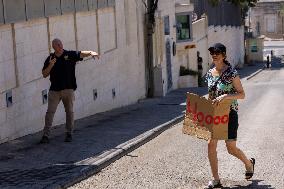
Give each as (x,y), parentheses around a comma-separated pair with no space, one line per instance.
(214,184)
(249,174)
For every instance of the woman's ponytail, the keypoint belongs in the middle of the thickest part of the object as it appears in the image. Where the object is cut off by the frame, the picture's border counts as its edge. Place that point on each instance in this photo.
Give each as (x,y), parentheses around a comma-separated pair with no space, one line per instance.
(227,63)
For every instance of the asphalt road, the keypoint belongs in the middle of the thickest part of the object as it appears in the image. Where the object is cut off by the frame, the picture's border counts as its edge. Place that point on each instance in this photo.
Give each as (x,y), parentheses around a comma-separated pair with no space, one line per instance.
(173,160)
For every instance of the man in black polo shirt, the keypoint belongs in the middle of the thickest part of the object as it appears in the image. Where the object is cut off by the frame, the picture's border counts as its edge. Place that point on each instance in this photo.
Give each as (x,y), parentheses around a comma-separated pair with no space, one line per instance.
(60,66)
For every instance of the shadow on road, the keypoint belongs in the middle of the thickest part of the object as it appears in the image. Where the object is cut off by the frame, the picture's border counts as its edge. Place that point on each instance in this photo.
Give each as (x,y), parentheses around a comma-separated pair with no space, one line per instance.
(249,69)
(276,63)
(254,185)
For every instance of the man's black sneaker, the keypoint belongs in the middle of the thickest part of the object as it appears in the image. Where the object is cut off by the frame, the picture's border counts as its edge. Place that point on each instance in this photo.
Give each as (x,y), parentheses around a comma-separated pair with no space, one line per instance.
(44,140)
(68,138)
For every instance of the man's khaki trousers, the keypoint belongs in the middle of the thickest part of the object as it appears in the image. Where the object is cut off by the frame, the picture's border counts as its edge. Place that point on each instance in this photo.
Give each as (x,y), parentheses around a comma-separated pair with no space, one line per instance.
(54,97)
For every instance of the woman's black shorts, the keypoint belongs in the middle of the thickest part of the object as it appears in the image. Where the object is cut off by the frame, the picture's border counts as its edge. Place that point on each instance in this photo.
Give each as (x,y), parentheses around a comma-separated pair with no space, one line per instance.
(233,125)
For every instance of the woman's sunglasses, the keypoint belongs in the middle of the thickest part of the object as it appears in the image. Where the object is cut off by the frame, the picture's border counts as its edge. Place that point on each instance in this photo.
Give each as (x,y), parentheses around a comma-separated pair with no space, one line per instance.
(215,53)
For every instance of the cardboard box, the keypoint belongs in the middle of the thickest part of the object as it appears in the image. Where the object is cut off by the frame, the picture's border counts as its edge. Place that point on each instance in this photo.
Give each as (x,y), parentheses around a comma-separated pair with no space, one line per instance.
(205,120)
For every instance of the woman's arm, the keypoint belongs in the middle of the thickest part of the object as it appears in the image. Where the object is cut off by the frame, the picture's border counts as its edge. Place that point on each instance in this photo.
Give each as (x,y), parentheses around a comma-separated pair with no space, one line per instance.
(240,93)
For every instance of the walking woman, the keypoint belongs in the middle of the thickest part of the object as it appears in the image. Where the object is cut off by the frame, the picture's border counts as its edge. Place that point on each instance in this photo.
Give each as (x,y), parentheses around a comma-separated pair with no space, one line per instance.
(224,83)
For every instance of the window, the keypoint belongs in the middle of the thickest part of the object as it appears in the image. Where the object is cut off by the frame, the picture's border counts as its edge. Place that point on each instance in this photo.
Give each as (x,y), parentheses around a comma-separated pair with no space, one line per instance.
(167,25)
(270,23)
(183,26)
(258,28)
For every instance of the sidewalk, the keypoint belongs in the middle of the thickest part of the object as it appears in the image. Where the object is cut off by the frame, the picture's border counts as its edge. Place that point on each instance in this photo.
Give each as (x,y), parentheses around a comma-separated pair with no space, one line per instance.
(249,71)
(98,141)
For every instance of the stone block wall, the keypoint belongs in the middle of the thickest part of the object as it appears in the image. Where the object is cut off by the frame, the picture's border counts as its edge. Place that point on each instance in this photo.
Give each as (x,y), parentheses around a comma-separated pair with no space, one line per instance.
(121,67)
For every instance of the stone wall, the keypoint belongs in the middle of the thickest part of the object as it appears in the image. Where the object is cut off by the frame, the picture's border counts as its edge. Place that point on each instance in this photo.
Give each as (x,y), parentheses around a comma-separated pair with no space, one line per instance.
(267,20)
(112,31)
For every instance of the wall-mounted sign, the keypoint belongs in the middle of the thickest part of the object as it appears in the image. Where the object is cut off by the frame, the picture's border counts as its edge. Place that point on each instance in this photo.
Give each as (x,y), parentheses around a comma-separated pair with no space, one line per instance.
(190,46)
(253,49)
(253,46)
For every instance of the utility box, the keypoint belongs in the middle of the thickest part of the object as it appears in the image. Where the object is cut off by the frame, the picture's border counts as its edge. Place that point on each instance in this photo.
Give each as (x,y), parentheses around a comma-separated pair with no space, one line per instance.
(254,49)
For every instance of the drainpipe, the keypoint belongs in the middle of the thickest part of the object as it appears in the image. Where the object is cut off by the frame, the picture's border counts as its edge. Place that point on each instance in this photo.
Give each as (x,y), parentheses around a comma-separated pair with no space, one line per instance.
(283,27)
(150,24)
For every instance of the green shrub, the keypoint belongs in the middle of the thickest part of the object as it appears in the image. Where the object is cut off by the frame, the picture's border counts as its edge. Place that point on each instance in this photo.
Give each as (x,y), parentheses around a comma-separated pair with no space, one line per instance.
(185,71)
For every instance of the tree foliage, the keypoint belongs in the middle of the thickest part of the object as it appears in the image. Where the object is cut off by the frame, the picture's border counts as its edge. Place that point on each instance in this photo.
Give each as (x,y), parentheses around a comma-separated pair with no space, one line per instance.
(244,5)
(249,3)
(282,9)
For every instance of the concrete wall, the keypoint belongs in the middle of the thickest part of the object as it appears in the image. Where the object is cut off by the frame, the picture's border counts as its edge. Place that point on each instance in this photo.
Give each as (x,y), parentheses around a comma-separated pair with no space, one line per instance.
(165,8)
(233,39)
(25,45)
(254,50)
(200,29)
(7,65)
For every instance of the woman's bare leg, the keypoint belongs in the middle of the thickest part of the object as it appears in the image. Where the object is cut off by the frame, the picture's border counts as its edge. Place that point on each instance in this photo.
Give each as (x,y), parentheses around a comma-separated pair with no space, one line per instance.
(238,153)
(213,159)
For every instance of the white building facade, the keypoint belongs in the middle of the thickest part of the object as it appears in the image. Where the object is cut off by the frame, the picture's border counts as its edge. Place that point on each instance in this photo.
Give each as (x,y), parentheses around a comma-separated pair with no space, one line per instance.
(174,45)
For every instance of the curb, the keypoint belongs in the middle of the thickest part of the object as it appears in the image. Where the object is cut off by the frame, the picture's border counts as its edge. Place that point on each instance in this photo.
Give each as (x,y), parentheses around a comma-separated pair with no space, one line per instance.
(95,165)
(255,73)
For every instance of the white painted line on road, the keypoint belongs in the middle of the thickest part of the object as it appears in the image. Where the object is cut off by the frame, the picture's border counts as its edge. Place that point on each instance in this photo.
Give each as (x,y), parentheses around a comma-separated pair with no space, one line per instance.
(254,74)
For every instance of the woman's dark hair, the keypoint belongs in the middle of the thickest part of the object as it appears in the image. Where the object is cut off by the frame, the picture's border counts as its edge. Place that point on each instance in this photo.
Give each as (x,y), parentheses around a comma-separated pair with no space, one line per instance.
(225,60)
(227,63)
